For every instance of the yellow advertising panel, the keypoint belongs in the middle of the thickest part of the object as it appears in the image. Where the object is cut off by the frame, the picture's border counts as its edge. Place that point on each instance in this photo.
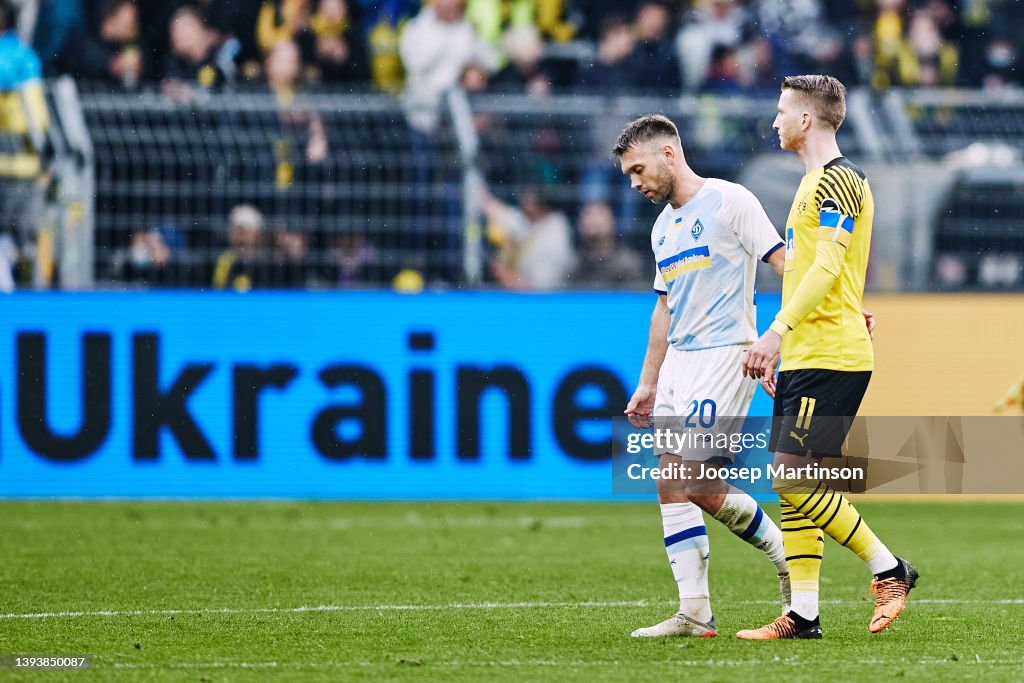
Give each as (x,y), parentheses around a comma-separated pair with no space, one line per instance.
(946,354)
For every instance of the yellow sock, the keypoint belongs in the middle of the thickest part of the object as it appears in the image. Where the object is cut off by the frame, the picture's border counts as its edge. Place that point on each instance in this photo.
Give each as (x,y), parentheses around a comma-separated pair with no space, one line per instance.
(804,544)
(831,512)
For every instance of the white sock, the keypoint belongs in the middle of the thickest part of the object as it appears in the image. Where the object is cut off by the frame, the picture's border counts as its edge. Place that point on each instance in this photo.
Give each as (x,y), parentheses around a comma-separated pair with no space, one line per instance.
(883,561)
(686,542)
(805,603)
(744,517)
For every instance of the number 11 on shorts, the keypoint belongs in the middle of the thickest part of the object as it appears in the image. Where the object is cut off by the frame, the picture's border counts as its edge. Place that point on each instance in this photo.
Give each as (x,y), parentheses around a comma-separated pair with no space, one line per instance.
(803,419)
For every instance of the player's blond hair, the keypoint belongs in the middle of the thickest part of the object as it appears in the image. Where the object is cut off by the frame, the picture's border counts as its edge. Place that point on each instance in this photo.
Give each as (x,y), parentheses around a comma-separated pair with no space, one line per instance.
(824,93)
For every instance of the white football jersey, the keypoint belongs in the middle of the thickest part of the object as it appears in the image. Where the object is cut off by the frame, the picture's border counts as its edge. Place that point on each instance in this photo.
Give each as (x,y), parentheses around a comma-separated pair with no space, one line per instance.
(707,252)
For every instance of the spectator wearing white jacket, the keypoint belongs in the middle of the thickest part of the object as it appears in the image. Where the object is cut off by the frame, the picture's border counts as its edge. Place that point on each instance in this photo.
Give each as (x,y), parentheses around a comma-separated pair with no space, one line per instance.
(436,47)
(536,243)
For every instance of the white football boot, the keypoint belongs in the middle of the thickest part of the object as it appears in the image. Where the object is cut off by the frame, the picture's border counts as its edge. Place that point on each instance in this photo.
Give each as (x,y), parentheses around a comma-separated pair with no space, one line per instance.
(678,625)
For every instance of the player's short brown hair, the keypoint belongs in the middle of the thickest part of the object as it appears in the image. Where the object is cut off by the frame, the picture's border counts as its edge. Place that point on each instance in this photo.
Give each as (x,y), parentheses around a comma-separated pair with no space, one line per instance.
(643,130)
(825,93)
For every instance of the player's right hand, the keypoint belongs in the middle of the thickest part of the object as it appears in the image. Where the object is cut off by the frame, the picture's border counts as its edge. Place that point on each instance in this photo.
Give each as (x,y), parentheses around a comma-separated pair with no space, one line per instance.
(640,406)
(768,383)
(768,380)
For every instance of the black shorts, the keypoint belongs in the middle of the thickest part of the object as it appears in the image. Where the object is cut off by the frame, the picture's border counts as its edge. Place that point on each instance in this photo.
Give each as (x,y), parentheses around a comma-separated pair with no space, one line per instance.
(814,410)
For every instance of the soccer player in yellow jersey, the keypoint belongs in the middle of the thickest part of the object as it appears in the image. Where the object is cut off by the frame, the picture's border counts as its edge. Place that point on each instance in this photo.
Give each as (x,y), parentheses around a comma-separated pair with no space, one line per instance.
(826,357)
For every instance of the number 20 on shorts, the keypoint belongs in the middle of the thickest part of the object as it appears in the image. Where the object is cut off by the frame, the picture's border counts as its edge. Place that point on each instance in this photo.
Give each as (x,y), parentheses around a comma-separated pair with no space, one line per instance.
(702,412)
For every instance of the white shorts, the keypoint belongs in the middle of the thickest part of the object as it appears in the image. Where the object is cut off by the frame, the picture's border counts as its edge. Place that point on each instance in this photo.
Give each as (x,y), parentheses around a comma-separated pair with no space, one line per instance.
(700,389)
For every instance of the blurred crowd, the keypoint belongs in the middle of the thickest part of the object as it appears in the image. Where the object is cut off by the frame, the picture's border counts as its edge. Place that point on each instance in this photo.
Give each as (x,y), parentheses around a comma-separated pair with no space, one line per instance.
(256,252)
(421,51)
(532,46)
(536,251)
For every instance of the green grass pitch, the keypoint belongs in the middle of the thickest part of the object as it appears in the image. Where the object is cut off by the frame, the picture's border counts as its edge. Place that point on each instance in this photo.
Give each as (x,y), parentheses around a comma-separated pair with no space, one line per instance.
(481,591)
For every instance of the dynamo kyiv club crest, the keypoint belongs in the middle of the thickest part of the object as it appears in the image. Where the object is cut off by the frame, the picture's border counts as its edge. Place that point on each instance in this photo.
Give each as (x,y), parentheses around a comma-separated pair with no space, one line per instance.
(697,230)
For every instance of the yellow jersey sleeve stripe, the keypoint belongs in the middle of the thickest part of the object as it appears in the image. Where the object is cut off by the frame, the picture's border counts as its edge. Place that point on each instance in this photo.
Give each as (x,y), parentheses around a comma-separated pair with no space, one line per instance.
(829,189)
(835,187)
(847,184)
(848,179)
(856,182)
(854,185)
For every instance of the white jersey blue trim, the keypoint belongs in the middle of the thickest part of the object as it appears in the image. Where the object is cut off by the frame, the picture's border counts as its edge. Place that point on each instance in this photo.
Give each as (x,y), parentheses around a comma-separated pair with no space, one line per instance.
(706,253)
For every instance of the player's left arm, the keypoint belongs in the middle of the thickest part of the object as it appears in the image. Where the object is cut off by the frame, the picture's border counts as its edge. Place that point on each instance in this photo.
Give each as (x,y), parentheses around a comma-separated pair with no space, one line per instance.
(836,221)
(819,280)
(812,290)
(763,356)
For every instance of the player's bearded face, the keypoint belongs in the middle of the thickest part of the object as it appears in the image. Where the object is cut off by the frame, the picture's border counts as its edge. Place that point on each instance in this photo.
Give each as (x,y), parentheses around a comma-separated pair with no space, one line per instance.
(662,184)
(657,183)
(649,173)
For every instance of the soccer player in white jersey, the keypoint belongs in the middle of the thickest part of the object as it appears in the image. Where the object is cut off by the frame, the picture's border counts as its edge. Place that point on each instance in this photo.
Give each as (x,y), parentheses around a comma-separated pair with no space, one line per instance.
(706,243)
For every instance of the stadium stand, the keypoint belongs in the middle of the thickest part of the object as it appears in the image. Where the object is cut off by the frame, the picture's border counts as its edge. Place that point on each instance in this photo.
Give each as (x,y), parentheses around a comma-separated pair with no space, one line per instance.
(296,107)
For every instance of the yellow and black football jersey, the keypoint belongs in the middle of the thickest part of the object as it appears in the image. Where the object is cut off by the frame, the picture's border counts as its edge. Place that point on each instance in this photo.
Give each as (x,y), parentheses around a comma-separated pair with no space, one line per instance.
(833,203)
